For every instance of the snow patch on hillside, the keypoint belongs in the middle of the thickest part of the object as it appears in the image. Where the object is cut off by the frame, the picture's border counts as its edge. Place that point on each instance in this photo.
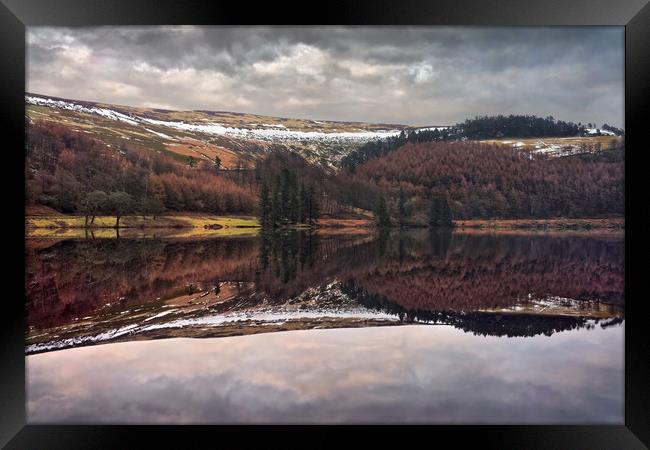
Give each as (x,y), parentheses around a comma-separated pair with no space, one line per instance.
(275,134)
(162,135)
(270,132)
(596,131)
(433,128)
(104,112)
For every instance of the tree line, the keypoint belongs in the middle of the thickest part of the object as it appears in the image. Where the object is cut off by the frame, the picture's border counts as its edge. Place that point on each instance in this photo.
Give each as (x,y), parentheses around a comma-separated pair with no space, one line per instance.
(516,126)
(381,147)
(479,127)
(613,129)
(439,213)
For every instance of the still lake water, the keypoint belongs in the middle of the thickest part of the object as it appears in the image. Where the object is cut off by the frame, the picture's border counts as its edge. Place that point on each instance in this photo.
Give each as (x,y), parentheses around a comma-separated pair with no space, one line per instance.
(415,327)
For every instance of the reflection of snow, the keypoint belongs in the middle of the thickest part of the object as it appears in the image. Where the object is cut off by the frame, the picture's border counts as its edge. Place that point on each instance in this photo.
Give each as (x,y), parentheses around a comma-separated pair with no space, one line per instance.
(274,317)
(313,301)
(71,342)
(164,313)
(559,305)
(268,317)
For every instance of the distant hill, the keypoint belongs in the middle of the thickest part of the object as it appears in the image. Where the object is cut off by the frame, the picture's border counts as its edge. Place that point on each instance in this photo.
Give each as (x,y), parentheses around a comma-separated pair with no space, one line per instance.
(542,135)
(236,138)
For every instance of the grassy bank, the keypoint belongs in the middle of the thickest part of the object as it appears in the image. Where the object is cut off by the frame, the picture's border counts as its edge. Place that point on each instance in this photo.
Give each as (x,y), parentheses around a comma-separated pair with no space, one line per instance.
(53,224)
(62,225)
(49,223)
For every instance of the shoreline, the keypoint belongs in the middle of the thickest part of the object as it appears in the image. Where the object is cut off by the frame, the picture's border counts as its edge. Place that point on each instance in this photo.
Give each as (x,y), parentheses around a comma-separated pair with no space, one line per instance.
(198,224)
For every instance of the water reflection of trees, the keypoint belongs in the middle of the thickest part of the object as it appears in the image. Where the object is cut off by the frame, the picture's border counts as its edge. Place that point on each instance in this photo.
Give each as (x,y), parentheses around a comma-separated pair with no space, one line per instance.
(479,323)
(465,272)
(292,261)
(72,278)
(285,252)
(421,271)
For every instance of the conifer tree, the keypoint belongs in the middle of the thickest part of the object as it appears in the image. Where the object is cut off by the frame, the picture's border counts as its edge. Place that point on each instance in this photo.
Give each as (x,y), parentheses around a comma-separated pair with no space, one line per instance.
(434,212)
(265,206)
(401,207)
(313,211)
(381,215)
(304,200)
(440,212)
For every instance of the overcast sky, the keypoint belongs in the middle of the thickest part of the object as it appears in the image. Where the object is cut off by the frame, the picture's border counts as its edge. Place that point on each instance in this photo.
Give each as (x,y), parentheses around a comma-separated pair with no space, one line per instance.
(414,76)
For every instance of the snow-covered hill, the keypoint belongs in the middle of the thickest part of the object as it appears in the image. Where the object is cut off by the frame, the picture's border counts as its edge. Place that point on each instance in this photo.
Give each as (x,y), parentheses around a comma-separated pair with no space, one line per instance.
(324,142)
(270,132)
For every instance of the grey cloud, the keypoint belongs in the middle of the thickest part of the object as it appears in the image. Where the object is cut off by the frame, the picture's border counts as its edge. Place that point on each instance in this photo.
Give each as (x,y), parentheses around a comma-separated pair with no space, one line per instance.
(412,75)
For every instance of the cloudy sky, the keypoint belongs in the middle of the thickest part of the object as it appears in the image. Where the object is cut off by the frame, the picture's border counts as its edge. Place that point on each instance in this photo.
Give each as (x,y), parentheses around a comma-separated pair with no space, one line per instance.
(414,76)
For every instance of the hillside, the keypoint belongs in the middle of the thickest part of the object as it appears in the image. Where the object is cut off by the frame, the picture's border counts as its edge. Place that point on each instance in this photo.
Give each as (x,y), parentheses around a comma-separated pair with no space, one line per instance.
(492,181)
(153,161)
(238,139)
(535,135)
(72,172)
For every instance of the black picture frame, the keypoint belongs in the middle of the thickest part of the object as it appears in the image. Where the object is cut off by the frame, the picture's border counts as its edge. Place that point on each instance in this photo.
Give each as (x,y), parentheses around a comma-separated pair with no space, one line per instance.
(15,15)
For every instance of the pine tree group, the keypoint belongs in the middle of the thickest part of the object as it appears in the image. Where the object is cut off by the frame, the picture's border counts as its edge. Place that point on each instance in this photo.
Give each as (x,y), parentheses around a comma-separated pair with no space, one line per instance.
(381,214)
(401,207)
(440,212)
(287,203)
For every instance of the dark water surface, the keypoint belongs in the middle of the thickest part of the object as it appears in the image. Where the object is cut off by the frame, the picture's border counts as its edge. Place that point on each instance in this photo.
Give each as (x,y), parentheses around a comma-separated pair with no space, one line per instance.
(429,327)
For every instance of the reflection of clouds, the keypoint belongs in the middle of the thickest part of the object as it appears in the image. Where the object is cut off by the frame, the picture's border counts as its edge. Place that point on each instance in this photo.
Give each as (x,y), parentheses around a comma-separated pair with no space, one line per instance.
(393,374)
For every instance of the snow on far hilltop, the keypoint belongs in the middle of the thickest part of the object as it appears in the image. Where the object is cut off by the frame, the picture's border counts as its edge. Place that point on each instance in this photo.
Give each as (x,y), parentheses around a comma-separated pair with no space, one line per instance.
(596,131)
(439,128)
(270,132)
(275,134)
(108,113)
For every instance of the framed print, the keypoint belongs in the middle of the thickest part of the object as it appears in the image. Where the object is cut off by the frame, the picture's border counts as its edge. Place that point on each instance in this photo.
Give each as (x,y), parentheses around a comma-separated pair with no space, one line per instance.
(413,214)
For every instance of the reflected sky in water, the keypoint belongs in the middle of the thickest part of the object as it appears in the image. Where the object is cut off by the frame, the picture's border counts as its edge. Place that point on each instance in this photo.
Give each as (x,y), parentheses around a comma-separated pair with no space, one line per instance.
(405,374)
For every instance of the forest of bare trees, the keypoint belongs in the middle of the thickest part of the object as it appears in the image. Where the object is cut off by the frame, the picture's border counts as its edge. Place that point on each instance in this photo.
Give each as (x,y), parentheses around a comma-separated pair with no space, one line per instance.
(71,172)
(492,181)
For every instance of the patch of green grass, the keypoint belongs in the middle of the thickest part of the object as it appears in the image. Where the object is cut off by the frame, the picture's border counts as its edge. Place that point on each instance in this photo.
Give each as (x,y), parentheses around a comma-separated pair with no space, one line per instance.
(187,225)
(199,221)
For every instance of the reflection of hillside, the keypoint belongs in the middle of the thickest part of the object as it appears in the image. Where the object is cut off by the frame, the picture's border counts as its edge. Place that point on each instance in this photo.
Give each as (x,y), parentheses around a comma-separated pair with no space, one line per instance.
(480,323)
(73,278)
(517,325)
(77,277)
(417,271)
(483,271)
